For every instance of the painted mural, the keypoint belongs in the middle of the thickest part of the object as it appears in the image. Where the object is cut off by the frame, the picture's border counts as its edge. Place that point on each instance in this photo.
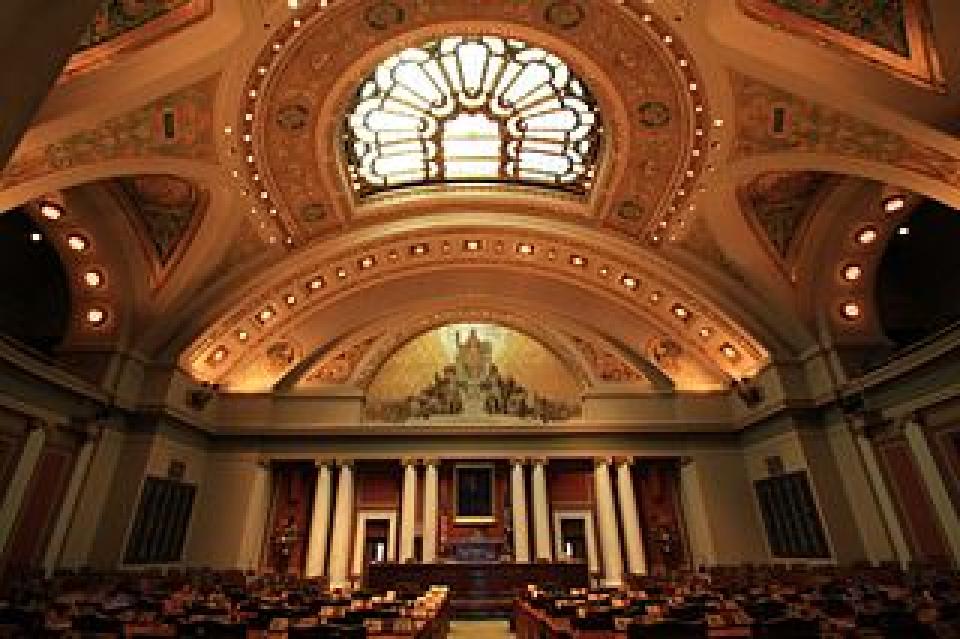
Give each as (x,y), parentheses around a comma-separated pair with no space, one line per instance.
(165,206)
(781,204)
(880,22)
(117,17)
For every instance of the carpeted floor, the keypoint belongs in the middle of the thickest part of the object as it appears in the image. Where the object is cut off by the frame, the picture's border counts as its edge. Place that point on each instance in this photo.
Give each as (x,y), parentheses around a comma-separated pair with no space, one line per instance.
(492,629)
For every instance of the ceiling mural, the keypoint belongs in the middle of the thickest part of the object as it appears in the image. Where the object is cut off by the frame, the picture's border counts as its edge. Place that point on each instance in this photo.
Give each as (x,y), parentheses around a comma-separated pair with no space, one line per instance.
(176,126)
(781,203)
(894,33)
(606,364)
(165,207)
(480,369)
(117,17)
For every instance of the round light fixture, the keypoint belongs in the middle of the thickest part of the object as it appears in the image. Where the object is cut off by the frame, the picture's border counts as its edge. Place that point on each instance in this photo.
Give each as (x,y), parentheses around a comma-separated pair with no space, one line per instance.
(96,316)
(852,272)
(93,278)
(77,242)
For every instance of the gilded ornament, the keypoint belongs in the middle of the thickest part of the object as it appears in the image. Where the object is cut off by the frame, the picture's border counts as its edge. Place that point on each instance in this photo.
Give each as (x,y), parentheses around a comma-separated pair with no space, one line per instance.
(293,117)
(565,14)
(654,114)
(383,15)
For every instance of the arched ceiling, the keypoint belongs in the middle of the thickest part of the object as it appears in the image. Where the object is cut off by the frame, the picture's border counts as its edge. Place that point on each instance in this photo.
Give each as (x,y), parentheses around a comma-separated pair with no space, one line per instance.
(746,144)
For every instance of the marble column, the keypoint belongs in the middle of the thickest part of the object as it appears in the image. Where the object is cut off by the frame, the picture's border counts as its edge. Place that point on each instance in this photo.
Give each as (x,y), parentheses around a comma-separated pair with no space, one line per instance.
(518,491)
(636,562)
(932,479)
(342,526)
(541,512)
(320,525)
(607,519)
(258,511)
(69,505)
(17,488)
(36,40)
(408,510)
(431,507)
(861,432)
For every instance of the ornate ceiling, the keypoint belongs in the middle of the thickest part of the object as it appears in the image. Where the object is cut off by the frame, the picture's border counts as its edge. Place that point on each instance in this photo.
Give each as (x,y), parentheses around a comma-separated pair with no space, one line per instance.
(716,237)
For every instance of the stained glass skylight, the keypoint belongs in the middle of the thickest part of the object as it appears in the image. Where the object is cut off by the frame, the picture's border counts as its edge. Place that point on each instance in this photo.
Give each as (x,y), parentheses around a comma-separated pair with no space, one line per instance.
(473,109)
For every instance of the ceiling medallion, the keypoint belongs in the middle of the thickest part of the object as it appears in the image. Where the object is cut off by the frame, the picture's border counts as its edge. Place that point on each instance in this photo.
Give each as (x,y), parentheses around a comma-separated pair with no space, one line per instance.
(293,117)
(630,210)
(654,114)
(564,14)
(313,213)
(384,15)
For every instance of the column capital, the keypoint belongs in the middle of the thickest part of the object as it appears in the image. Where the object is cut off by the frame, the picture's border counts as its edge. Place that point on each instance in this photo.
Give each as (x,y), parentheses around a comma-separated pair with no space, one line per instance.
(409,461)
(324,461)
(519,461)
(602,461)
(865,424)
(540,461)
(623,460)
(264,462)
(345,463)
(431,461)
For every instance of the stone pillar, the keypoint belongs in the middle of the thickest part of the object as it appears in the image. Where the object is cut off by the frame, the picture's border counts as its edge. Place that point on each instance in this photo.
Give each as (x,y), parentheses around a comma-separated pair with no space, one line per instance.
(636,562)
(69,506)
(320,525)
(36,40)
(431,499)
(342,526)
(861,432)
(518,491)
(541,512)
(20,481)
(408,510)
(258,510)
(607,518)
(930,473)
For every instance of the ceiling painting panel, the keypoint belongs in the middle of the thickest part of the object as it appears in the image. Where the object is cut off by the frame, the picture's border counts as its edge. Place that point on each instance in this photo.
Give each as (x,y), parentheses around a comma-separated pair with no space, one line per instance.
(894,33)
(165,207)
(120,26)
(781,204)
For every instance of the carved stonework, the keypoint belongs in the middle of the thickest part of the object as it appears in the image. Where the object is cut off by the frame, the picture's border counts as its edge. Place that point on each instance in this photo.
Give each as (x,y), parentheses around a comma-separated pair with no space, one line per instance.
(772,120)
(339,367)
(607,365)
(177,126)
(781,204)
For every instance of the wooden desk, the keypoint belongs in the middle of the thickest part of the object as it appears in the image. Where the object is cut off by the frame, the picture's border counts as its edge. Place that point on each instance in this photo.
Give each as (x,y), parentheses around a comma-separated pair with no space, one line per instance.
(476,587)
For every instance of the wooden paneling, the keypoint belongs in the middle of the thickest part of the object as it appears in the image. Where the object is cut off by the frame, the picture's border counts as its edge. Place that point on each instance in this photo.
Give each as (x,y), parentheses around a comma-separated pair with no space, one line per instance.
(476,587)
(911,499)
(656,485)
(450,532)
(41,505)
(570,484)
(294,484)
(378,487)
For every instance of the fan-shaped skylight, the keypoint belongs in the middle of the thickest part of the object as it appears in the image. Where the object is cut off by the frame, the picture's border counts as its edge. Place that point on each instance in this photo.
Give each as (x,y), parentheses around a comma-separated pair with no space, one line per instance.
(473,109)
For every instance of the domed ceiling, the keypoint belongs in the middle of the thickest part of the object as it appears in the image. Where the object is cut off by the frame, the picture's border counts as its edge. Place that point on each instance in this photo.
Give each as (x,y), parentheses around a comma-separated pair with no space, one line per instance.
(651,191)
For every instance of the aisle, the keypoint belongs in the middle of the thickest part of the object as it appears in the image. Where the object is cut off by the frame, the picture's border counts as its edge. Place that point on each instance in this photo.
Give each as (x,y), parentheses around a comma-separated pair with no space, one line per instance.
(491,629)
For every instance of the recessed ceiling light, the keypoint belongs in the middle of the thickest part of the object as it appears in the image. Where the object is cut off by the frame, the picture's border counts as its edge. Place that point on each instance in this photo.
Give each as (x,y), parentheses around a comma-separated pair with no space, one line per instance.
(525,249)
(220,354)
(655,296)
(93,278)
(903,230)
(578,260)
(867,235)
(419,249)
(852,272)
(315,284)
(51,211)
(243,336)
(894,203)
(851,310)
(77,242)
(472,245)
(291,299)
(729,352)
(706,332)
(96,316)
(341,273)
(629,281)
(265,315)
(368,262)
(36,237)
(680,311)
